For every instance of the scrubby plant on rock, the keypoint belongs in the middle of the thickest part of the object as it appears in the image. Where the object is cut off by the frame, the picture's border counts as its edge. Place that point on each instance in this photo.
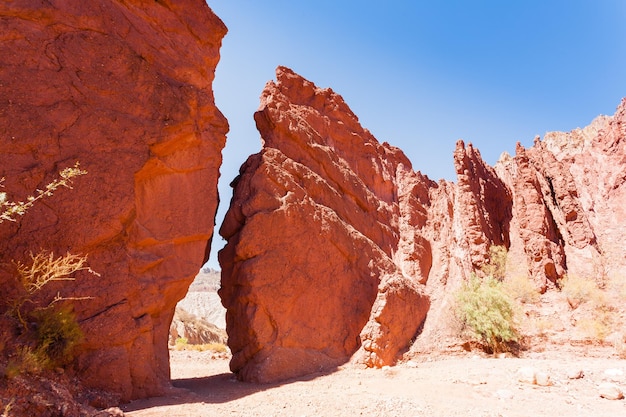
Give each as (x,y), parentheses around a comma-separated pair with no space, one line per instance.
(46,329)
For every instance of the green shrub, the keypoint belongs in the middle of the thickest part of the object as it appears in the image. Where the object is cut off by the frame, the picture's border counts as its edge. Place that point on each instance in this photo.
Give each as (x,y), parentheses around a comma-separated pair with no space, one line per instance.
(49,331)
(487,313)
(58,334)
(181,343)
(26,361)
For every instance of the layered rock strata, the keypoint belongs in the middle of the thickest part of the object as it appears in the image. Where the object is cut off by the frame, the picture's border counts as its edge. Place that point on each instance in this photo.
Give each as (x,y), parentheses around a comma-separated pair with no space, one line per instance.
(125,88)
(337,250)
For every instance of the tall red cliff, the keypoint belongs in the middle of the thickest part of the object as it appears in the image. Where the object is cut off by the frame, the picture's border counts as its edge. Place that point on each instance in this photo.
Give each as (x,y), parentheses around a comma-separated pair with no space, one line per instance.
(312,230)
(337,250)
(125,88)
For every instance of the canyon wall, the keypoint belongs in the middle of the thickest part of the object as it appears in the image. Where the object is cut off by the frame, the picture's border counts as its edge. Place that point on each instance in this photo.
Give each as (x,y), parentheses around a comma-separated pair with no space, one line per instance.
(125,88)
(338,251)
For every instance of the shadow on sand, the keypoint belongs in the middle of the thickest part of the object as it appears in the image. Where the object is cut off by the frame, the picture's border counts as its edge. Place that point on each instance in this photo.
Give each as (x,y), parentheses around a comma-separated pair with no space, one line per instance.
(214,389)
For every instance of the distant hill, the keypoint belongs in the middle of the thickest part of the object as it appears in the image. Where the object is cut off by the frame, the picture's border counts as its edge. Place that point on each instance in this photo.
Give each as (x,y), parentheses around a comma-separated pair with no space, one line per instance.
(202,299)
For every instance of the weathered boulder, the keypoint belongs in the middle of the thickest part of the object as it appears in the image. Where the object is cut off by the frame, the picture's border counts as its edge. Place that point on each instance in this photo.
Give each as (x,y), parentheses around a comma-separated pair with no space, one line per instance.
(126,89)
(312,228)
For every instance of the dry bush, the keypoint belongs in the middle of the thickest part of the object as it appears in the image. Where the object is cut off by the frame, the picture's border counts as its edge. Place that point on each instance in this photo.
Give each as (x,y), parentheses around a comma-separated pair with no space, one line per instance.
(617,286)
(48,334)
(620,345)
(521,288)
(43,269)
(26,361)
(7,409)
(496,266)
(183,344)
(542,326)
(10,210)
(579,290)
(597,327)
(600,320)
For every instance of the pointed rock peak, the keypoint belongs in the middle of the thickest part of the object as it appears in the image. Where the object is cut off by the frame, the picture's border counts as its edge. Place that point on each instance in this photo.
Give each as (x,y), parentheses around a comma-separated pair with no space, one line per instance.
(296,88)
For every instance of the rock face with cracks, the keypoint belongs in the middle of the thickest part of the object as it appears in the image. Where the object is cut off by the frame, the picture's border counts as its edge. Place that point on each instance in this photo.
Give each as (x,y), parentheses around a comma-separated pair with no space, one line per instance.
(126,89)
(312,231)
(337,250)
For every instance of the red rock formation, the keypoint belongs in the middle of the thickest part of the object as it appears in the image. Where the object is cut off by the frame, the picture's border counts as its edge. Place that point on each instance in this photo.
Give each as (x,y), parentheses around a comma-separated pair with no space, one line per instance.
(534,222)
(124,88)
(311,230)
(483,204)
(336,248)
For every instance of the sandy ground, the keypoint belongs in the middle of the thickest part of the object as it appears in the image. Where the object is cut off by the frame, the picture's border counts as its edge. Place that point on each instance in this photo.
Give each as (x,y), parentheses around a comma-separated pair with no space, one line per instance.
(472,385)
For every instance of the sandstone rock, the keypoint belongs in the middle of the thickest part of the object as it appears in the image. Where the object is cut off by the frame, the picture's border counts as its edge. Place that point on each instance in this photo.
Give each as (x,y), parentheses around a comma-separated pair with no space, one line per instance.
(483,204)
(504,394)
(124,88)
(527,375)
(610,391)
(534,224)
(196,330)
(399,309)
(575,373)
(530,375)
(312,230)
(110,412)
(543,379)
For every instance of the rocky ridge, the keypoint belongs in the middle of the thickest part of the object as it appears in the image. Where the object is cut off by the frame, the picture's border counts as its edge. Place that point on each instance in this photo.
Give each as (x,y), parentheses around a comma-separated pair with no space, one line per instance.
(337,250)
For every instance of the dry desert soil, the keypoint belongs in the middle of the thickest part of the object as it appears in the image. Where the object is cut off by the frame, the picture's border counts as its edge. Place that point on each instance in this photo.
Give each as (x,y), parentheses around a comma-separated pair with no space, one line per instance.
(466,385)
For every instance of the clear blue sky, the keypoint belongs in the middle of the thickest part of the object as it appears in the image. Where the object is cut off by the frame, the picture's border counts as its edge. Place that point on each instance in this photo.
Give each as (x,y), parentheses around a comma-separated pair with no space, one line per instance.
(422,74)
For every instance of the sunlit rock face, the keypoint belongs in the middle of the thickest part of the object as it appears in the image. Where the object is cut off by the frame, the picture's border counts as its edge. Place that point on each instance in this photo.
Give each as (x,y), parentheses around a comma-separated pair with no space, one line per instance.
(126,89)
(312,232)
(337,250)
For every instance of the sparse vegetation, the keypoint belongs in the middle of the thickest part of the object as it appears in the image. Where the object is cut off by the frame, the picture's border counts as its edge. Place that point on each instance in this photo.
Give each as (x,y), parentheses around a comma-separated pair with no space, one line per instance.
(620,346)
(26,361)
(44,269)
(182,344)
(57,335)
(487,313)
(496,266)
(580,290)
(617,285)
(521,288)
(599,321)
(47,327)
(542,326)
(10,210)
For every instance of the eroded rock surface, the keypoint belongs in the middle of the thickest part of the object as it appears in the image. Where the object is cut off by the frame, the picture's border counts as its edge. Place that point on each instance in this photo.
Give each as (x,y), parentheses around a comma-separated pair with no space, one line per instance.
(312,229)
(126,89)
(337,250)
